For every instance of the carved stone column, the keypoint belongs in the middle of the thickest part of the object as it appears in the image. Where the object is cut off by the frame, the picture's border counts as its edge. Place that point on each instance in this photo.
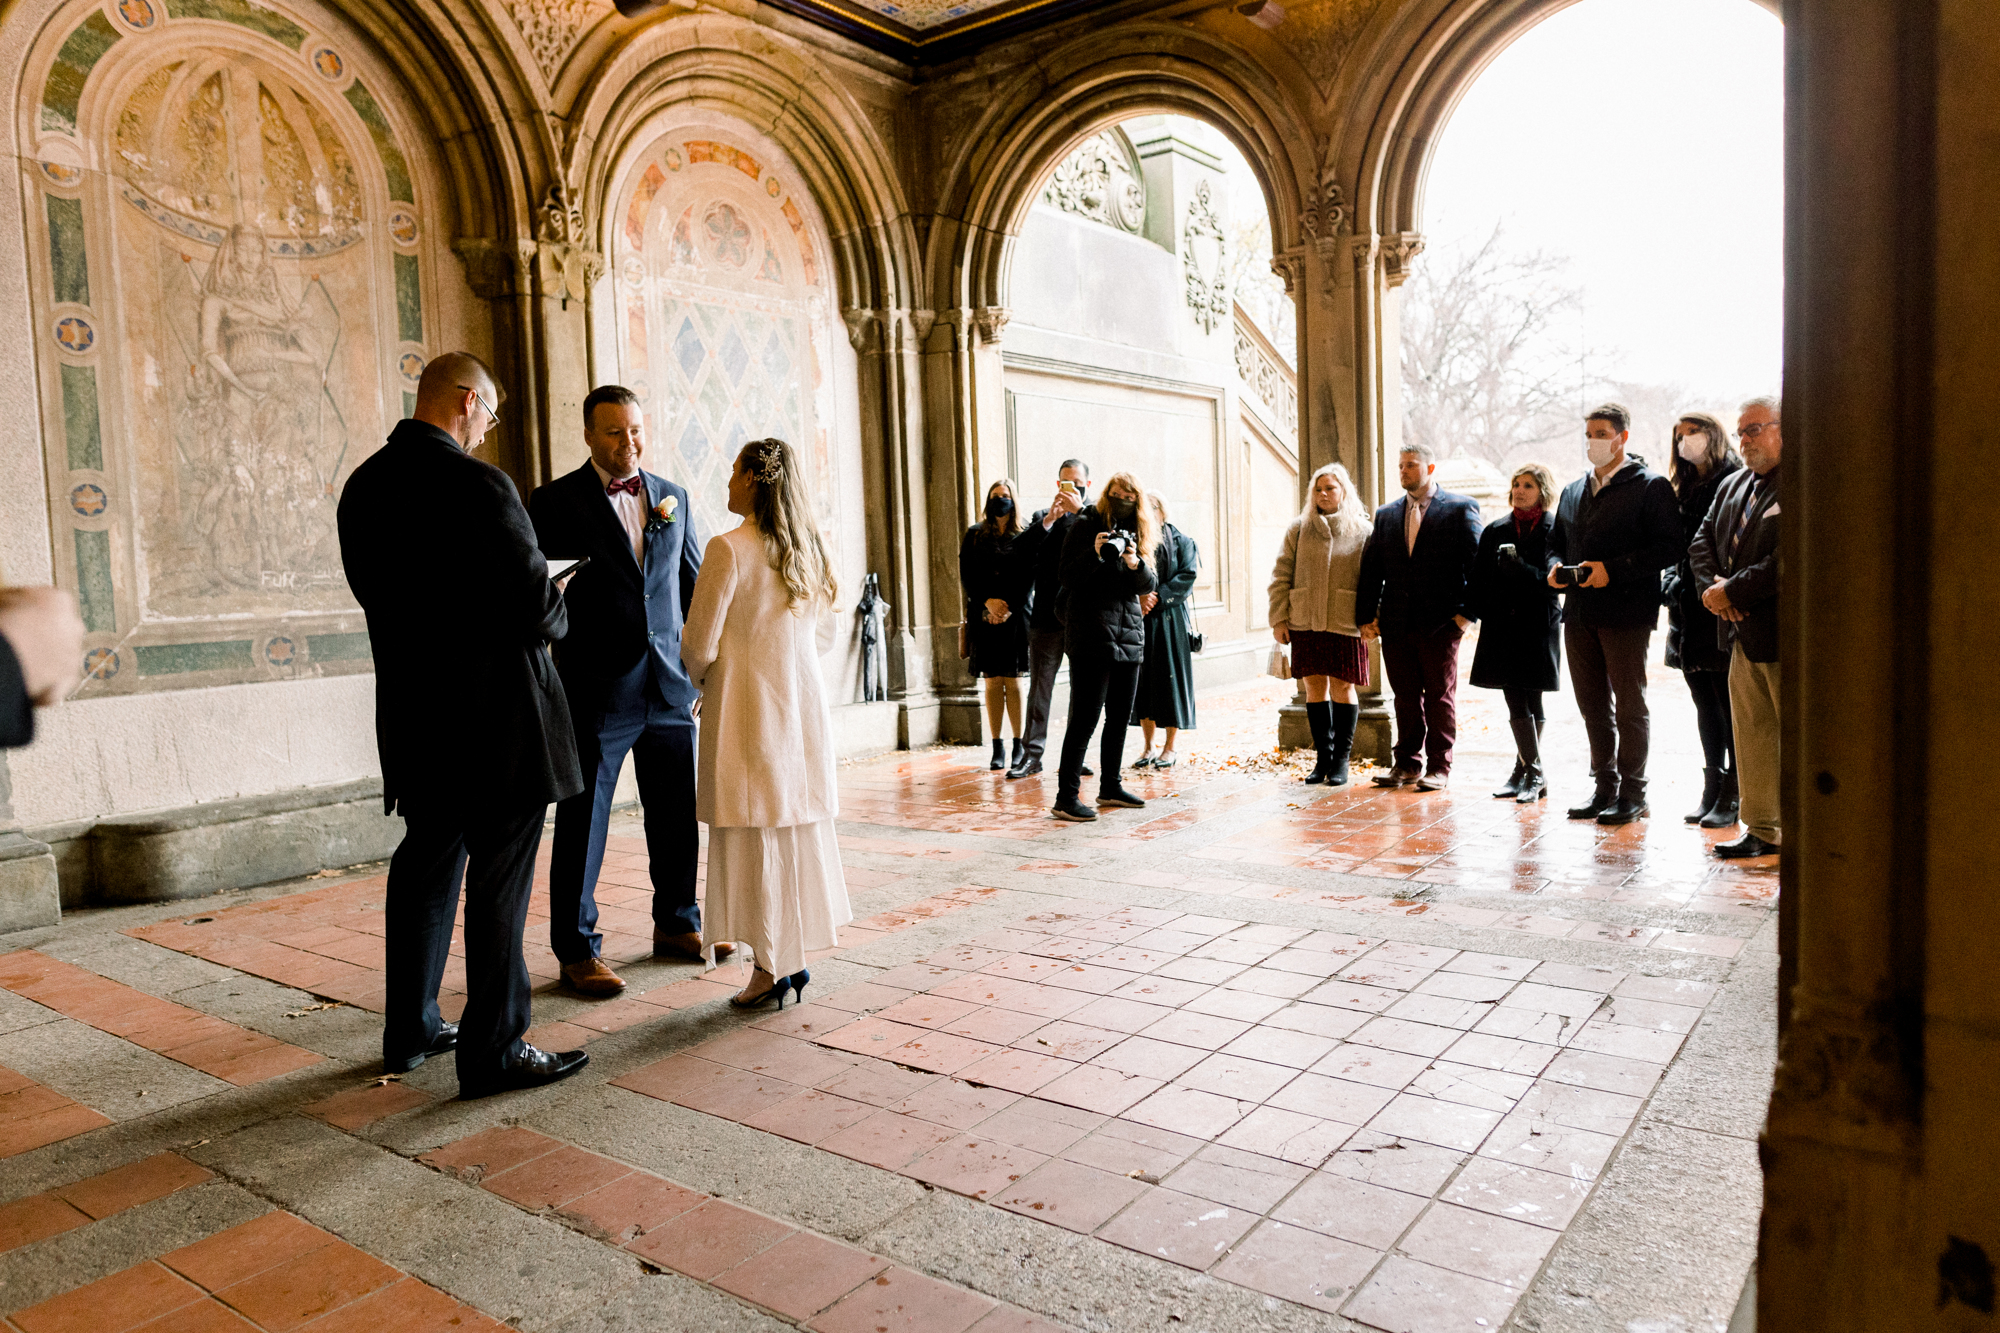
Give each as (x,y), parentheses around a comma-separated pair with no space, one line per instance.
(889,348)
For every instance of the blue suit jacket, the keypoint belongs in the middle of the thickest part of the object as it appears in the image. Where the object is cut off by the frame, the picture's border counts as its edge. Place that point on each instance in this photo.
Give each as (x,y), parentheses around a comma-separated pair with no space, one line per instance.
(619,614)
(1415,592)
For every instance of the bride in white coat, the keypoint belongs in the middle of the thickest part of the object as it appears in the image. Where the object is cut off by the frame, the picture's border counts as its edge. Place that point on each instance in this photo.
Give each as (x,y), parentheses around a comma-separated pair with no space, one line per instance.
(762,615)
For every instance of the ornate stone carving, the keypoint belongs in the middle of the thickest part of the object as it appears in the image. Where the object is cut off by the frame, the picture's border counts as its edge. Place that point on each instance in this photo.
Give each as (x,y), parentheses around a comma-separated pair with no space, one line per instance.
(1325,212)
(1321,33)
(561,221)
(488,266)
(1263,375)
(1101,181)
(552,28)
(990,320)
(1207,292)
(1397,253)
(1289,267)
(862,324)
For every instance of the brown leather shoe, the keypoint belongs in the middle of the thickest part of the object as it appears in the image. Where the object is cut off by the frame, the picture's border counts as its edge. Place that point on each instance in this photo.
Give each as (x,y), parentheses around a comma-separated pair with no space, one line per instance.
(686,947)
(592,978)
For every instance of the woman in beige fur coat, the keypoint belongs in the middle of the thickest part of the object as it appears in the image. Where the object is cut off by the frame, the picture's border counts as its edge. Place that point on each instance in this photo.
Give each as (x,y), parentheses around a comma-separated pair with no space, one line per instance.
(761,618)
(1312,609)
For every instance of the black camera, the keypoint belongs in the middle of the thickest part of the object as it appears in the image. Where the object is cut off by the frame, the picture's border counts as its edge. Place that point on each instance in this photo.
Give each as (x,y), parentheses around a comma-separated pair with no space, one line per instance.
(1116,544)
(1571,576)
(1509,552)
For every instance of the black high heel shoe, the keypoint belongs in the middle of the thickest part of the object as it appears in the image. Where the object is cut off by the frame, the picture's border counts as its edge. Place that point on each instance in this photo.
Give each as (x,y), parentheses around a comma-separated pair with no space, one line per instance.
(797,983)
(779,988)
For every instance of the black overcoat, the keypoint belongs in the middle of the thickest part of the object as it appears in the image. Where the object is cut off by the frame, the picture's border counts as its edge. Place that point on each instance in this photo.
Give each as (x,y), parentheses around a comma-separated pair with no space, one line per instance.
(1520,639)
(991,566)
(1166,681)
(1692,641)
(1100,596)
(469,712)
(1748,568)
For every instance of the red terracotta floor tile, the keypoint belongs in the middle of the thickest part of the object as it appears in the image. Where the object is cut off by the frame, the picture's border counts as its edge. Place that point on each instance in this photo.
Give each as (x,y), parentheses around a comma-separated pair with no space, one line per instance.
(143,1181)
(110,1305)
(1041,1127)
(737,1094)
(408,1306)
(1015,1070)
(1110,1013)
(245,1250)
(888,1140)
(1469,1085)
(1226,1175)
(1522,1193)
(1306,1140)
(1093,1088)
(282,1298)
(204,1316)
(801,1275)
(999,1027)
(1316,1020)
(939,1052)
(489,1152)
(1235,1077)
(555,1178)
(1202,1115)
(807,1021)
(955,1103)
(1479,1244)
(774,1056)
(1203,1032)
(1006,1319)
(1508,1054)
(899,1301)
(710,1240)
(1608,1073)
(1581,1108)
(1351,1210)
(37,1217)
(1147,1057)
(359,1107)
(667,1079)
(1298,1265)
(810,1116)
(974,1165)
(1405,1296)
(1069,1195)
(1179,1228)
(1372,1065)
(629,1206)
(1528,1140)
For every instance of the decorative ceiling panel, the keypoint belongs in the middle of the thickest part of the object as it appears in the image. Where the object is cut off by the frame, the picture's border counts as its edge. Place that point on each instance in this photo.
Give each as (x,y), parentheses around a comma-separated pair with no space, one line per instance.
(932,29)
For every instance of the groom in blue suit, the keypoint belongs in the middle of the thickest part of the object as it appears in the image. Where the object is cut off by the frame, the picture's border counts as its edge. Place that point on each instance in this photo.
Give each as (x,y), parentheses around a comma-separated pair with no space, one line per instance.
(621,668)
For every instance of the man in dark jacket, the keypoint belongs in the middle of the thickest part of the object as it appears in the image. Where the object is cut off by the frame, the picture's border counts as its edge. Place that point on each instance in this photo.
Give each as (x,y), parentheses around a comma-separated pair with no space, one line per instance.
(1416,596)
(1617,527)
(470,719)
(1104,573)
(628,692)
(1735,561)
(1041,545)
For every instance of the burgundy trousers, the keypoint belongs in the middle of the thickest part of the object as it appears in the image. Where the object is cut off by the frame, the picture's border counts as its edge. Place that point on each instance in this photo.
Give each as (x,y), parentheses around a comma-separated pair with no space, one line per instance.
(1423,673)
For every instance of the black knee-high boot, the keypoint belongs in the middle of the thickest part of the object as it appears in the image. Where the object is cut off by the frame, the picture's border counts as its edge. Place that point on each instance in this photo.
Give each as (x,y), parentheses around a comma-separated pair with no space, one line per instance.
(1342,720)
(1316,718)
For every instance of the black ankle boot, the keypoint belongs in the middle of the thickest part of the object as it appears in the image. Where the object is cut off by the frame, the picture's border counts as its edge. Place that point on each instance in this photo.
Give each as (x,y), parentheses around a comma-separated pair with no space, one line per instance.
(1534,785)
(999,755)
(1524,745)
(1014,754)
(1341,722)
(1317,719)
(1711,788)
(1727,802)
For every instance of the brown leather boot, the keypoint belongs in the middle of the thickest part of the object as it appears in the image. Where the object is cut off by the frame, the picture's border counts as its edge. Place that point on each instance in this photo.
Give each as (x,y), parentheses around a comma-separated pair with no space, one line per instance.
(686,947)
(591,977)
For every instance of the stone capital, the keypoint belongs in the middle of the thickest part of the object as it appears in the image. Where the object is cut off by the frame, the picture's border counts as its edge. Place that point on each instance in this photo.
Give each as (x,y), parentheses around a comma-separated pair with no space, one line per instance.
(1398,253)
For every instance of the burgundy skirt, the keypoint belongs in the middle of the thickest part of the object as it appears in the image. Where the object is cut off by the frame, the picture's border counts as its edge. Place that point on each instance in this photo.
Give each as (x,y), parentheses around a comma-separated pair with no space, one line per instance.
(1321,653)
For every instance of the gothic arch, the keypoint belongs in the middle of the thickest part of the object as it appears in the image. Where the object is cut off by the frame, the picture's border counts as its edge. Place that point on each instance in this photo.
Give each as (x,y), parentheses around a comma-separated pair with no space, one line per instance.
(997,165)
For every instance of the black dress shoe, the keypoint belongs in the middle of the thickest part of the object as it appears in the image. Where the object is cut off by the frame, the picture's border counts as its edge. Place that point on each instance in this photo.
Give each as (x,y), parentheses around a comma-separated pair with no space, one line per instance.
(1025,767)
(1074,811)
(1088,771)
(1747,845)
(1595,806)
(446,1039)
(532,1068)
(1625,810)
(1117,798)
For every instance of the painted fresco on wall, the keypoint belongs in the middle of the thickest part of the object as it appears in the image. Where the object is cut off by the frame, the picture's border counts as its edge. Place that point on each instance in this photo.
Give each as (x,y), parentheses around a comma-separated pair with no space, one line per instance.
(724,301)
(232,287)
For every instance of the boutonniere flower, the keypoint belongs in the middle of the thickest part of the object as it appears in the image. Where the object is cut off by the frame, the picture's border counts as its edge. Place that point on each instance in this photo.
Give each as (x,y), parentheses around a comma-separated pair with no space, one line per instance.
(663,513)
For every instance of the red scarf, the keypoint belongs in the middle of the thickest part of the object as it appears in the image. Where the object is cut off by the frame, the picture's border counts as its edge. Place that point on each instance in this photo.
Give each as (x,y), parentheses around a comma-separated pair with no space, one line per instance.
(1525,519)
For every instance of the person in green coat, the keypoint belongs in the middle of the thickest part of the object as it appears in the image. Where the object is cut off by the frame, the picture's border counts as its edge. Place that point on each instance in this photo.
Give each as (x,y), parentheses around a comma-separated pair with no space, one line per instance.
(1165,698)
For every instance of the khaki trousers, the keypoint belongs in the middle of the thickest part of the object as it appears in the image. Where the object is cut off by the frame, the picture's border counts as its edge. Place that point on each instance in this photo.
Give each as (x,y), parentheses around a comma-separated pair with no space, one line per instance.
(1753,704)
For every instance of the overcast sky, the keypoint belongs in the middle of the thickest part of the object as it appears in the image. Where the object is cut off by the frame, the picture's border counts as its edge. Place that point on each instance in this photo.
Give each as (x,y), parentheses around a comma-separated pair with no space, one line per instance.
(1643,140)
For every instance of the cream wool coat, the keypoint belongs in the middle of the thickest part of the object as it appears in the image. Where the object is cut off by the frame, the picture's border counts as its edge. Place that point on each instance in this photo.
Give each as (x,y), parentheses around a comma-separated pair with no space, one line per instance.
(766,753)
(1319,567)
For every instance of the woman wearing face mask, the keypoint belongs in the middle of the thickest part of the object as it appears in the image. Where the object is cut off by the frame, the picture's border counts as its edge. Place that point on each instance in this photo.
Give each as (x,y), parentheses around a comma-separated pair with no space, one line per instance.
(996,577)
(1702,460)
(1107,565)
(1165,697)
(1520,645)
(1312,609)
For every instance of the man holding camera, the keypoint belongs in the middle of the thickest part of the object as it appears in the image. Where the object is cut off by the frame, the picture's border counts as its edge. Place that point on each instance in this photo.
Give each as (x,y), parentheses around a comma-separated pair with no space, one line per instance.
(1617,527)
(1041,544)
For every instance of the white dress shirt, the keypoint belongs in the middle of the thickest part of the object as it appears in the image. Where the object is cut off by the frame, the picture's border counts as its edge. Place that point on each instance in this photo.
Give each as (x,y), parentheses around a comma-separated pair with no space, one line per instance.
(631,511)
(1413,513)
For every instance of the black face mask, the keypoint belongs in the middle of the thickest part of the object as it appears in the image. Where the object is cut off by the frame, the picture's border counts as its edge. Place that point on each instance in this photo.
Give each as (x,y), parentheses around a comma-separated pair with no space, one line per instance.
(1123,511)
(998,506)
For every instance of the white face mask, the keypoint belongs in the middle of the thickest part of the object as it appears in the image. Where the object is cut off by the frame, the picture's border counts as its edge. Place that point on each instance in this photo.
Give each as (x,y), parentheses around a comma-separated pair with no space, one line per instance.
(1600,452)
(1693,448)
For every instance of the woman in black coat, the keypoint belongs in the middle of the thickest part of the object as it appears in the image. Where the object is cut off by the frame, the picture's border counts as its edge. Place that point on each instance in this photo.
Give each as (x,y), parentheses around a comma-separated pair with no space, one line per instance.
(1702,461)
(1166,677)
(996,578)
(1520,644)
(1107,565)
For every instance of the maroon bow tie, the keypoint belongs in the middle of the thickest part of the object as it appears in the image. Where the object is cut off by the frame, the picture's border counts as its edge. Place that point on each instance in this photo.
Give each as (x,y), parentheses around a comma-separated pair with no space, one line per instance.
(631,486)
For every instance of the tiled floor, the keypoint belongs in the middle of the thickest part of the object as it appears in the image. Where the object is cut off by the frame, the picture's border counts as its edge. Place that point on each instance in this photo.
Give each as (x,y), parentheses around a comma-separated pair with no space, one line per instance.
(1346,1059)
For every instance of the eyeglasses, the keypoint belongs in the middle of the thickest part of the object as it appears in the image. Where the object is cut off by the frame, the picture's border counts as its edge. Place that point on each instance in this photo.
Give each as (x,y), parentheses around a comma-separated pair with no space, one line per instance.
(1755,428)
(492,415)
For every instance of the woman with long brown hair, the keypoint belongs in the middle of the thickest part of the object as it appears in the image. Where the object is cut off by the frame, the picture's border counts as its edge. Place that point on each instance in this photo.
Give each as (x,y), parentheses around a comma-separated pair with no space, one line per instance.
(995,579)
(1107,565)
(761,618)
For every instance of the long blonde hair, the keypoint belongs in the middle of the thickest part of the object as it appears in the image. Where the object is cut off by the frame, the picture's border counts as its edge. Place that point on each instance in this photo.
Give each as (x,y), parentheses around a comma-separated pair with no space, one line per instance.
(783,513)
(1151,530)
(1350,504)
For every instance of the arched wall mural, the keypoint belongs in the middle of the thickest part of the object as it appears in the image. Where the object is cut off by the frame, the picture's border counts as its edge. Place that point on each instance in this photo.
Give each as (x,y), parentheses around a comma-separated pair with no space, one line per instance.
(229,267)
(722,305)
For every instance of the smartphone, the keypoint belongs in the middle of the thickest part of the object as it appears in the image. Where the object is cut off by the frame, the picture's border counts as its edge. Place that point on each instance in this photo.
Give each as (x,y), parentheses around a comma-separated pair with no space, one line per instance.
(1066,486)
(560,568)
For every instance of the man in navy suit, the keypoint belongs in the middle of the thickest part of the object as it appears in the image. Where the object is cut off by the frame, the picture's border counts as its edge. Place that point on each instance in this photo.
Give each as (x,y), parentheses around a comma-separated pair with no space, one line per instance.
(628,692)
(1414,595)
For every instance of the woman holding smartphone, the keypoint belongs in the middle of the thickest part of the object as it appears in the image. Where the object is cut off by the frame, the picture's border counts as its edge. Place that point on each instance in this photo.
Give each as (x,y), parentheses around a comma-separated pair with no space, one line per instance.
(1519,614)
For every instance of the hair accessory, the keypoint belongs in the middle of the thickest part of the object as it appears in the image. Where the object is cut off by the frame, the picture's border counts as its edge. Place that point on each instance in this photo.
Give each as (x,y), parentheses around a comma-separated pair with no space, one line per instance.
(771,458)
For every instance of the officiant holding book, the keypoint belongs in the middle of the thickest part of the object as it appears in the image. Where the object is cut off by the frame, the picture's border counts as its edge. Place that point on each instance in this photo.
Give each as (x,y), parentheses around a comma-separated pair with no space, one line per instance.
(621,667)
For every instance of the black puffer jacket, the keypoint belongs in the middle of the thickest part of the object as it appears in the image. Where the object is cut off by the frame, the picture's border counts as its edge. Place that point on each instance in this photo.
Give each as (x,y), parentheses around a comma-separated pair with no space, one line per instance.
(1633,526)
(1691,633)
(1100,597)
